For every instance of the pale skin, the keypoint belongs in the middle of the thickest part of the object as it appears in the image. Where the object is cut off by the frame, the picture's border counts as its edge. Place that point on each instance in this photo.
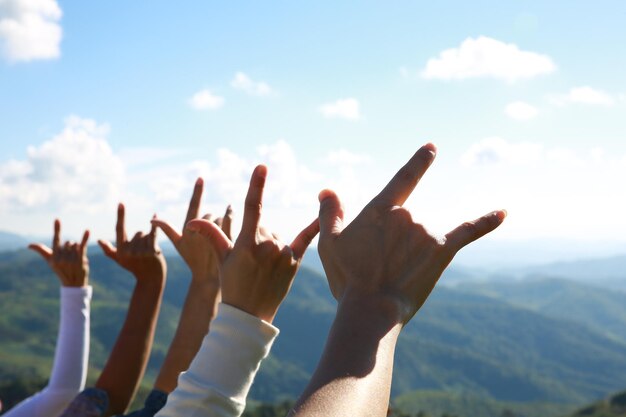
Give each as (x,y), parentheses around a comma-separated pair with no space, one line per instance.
(69,260)
(202,296)
(127,362)
(257,270)
(381,268)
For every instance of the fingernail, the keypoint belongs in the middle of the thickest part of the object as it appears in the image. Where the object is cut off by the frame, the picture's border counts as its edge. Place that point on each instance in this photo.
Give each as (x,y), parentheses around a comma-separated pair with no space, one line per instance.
(261,171)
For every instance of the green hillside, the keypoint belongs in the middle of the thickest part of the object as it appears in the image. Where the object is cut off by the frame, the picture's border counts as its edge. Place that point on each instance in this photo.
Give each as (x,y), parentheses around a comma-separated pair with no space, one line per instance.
(613,406)
(602,309)
(437,403)
(461,348)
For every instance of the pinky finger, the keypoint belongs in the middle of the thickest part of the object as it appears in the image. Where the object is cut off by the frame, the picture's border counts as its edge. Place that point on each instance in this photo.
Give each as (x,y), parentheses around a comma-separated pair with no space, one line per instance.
(303,240)
(468,232)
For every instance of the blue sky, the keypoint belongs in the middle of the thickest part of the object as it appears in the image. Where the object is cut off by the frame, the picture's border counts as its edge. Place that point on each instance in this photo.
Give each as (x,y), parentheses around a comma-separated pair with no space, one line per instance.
(527,108)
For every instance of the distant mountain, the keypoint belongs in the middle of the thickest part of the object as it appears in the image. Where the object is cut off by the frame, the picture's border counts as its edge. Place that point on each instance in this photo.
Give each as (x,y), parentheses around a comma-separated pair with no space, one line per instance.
(609,271)
(498,254)
(11,241)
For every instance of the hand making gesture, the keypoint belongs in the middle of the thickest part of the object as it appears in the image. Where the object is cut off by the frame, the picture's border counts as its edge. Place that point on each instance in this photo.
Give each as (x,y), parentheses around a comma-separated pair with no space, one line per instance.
(69,261)
(383,252)
(257,270)
(202,296)
(195,250)
(141,255)
(381,268)
(127,362)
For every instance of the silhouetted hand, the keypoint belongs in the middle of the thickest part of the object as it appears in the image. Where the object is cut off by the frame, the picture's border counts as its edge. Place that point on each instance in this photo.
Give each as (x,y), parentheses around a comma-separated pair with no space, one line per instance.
(256,271)
(141,255)
(69,261)
(383,256)
(195,249)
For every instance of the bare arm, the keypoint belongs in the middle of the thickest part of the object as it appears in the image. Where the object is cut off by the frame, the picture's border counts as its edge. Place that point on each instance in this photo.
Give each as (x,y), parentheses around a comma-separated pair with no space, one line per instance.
(381,269)
(202,296)
(126,365)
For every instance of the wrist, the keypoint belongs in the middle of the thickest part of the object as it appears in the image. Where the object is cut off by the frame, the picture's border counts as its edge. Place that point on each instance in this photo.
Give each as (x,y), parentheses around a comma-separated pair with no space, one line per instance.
(208,279)
(150,281)
(380,309)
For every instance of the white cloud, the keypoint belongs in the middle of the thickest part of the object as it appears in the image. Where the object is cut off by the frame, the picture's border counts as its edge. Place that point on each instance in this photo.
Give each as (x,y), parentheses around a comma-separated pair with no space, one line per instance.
(244,83)
(347,108)
(520,110)
(30,29)
(584,95)
(206,100)
(487,57)
(497,151)
(76,170)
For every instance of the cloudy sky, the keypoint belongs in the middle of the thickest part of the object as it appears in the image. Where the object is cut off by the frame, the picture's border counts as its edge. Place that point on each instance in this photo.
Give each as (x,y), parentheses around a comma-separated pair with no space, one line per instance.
(113,101)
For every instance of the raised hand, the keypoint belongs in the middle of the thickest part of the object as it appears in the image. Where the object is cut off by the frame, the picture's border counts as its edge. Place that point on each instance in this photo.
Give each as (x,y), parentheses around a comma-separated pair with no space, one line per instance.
(192,247)
(127,362)
(69,261)
(383,254)
(202,296)
(381,268)
(141,255)
(256,271)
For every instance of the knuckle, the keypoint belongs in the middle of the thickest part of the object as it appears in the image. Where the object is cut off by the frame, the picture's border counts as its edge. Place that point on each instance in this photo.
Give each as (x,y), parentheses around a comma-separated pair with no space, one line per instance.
(470,227)
(253,206)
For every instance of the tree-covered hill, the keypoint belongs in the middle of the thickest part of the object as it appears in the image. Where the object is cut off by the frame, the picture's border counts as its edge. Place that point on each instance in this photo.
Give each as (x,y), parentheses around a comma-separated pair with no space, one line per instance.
(599,308)
(613,406)
(460,345)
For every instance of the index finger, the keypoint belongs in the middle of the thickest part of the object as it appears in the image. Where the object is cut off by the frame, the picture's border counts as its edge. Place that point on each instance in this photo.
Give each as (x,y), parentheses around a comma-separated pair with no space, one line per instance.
(253,204)
(120,230)
(403,183)
(194,203)
(56,238)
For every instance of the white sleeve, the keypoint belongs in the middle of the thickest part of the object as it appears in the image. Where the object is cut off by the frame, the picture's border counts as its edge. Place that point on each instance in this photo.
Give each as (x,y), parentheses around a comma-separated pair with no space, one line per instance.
(220,376)
(69,369)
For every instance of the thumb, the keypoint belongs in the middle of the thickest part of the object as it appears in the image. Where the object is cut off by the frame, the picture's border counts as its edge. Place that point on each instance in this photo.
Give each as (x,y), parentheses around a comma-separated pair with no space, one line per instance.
(331,214)
(43,250)
(169,231)
(220,242)
(108,249)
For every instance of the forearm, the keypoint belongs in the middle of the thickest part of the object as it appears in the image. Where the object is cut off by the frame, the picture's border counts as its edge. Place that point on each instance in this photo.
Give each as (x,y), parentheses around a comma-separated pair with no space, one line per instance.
(69,369)
(125,367)
(198,311)
(221,374)
(353,377)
